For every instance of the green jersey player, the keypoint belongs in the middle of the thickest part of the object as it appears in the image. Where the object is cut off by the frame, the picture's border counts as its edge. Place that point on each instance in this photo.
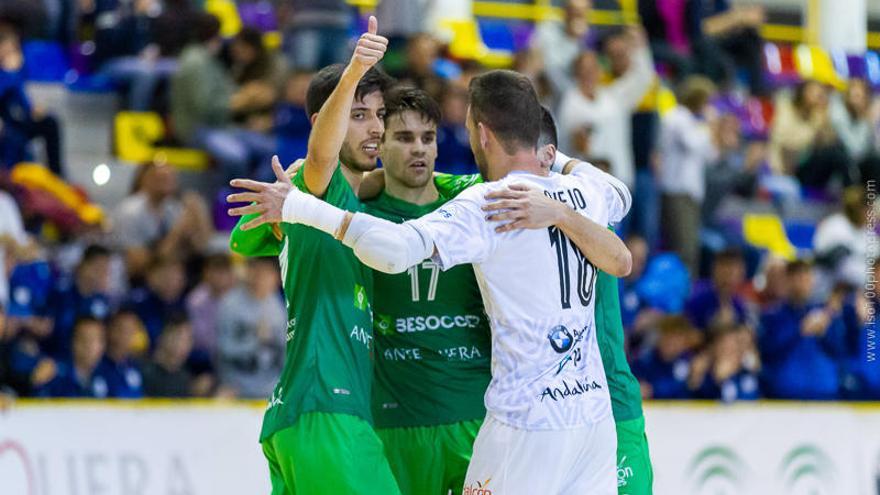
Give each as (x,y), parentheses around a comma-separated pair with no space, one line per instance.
(432,339)
(317,433)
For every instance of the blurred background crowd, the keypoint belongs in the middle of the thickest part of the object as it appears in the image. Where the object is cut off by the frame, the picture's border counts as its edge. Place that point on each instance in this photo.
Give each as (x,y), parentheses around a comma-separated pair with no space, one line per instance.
(752,166)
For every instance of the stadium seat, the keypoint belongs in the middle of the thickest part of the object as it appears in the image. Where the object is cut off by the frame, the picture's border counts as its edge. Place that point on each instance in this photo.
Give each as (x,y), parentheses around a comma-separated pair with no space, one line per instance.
(467,44)
(136,134)
(779,65)
(45,61)
(766,231)
(812,62)
(800,234)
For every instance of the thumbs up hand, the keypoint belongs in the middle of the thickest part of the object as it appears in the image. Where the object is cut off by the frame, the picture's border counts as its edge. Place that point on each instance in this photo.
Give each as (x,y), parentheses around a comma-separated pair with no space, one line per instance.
(369,50)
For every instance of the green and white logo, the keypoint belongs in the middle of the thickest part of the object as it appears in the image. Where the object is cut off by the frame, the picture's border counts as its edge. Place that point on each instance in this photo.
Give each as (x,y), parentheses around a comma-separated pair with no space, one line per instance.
(384,324)
(360,297)
(807,470)
(717,470)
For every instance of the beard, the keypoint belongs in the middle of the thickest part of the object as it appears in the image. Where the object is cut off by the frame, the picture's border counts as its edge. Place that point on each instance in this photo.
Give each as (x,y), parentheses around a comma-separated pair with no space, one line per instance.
(355,160)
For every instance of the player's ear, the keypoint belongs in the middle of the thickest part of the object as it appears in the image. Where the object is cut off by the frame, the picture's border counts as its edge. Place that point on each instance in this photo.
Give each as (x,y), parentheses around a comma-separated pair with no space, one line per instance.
(484,134)
(546,155)
(313,118)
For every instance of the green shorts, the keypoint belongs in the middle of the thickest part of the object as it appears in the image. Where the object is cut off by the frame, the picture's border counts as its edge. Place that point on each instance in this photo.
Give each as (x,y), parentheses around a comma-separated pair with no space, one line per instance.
(634,473)
(328,453)
(430,460)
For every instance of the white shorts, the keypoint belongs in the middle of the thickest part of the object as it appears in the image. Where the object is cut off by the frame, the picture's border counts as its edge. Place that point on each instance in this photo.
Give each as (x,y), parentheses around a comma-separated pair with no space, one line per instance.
(511,461)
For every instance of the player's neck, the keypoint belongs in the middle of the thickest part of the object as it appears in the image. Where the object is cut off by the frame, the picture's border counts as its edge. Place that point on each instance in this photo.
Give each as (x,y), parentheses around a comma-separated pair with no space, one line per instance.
(415,195)
(521,161)
(354,177)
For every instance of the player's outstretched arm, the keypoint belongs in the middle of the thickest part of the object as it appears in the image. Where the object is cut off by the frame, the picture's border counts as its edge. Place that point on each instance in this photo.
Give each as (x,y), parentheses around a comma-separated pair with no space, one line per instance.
(524,207)
(331,125)
(379,244)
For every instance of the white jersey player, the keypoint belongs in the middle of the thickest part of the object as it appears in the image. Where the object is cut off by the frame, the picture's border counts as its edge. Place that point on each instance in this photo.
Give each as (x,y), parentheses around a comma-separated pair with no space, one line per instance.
(549,427)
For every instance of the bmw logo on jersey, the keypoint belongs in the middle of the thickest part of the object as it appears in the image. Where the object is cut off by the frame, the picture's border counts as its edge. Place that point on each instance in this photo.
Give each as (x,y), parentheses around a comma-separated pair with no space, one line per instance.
(560,339)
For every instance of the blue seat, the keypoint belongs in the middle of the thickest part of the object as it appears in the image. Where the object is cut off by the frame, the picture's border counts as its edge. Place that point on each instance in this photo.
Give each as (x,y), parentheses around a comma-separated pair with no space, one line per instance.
(497,35)
(45,61)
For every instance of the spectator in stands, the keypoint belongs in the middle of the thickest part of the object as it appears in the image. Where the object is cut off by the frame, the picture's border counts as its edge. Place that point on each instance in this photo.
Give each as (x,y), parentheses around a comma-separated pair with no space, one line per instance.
(803,142)
(292,125)
(607,109)
(454,155)
(560,43)
(638,319)
(736,170)
(529,63)
(166,374)
(664,371)
(154,220)
(8,378)
(81,376)
(316,33)
(162,297)
(258,76)
(645,215)
(12,239)
(23,366)
(422,54)
(851,119)
(728,368)
(735,31)
(123,374)
(687,147)
(21,121)
(801,342)
(861,377)
(252,324)
(717,302)
(708,38)
(203,103)
(845,243)
(771,283)
(203,302)
(126,51)
(84,295)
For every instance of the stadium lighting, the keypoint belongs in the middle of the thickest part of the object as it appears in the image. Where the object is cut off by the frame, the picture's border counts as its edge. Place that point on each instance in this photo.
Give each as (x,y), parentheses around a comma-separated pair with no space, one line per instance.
(101,174)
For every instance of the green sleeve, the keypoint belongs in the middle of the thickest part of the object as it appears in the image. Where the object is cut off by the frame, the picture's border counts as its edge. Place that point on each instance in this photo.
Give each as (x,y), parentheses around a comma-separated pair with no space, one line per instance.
(450,186)
(260,241)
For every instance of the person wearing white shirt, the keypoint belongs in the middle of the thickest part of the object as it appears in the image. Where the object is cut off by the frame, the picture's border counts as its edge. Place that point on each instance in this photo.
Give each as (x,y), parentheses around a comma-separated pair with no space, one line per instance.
(686,146)
(607,110)
(560,42)
(549,427)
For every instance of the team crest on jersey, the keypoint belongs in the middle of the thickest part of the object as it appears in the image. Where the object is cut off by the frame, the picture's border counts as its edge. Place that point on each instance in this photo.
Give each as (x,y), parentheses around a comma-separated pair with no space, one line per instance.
(384,324)
(360,297)
(560,339)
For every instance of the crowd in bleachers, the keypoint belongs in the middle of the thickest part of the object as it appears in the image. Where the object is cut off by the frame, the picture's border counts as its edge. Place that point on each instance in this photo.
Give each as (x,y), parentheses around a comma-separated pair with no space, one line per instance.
(752,228)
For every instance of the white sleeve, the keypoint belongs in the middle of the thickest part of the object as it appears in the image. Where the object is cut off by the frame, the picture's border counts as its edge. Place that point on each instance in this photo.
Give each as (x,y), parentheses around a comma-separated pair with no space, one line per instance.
(615,193)
(378,243)
(459,230)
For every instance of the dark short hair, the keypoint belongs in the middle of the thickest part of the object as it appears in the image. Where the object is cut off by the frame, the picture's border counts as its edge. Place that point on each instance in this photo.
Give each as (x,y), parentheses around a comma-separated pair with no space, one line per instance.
(729,255)
(407,98)
(506,102)
(252,37)
(217,261)
(548,128)
(94,251)
(325,81)
(797,266)
(612,33)
(204,27)
(86,320)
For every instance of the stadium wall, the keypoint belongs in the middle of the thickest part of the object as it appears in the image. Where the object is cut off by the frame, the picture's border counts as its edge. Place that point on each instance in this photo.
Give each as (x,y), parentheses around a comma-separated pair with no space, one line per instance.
(210,448)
